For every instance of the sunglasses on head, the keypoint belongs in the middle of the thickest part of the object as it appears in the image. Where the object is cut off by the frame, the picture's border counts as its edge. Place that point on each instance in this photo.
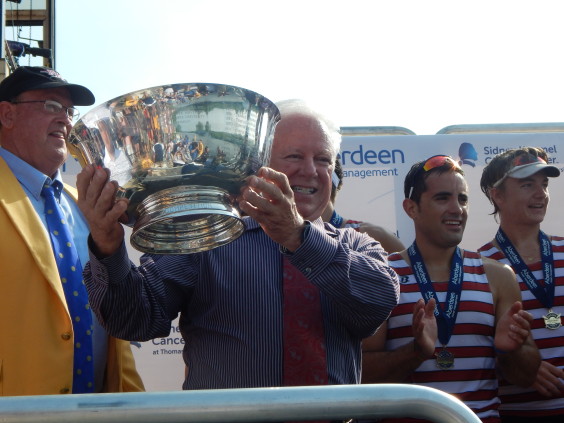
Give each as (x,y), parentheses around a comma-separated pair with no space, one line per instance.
(526,159)
(432,163)
(438,161)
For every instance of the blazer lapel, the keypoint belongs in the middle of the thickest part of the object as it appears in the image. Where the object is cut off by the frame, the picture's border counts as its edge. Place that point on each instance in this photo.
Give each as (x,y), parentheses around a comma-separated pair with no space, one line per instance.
(23,217)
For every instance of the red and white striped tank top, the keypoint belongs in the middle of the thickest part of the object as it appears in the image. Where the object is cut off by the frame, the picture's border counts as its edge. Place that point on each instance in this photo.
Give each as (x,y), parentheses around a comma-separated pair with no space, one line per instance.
(473,377)
(525,402)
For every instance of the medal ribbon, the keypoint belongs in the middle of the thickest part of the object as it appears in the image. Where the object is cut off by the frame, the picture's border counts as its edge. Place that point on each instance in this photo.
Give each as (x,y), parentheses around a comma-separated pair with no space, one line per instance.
(445,318)
(544,294)
(336,220)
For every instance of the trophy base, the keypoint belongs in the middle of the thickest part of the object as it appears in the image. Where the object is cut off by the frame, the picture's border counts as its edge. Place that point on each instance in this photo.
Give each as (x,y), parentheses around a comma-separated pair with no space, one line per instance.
(184,220)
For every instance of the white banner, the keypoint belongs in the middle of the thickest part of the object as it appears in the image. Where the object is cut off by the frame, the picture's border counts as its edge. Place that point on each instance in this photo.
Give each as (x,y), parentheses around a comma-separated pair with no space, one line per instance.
(375,168)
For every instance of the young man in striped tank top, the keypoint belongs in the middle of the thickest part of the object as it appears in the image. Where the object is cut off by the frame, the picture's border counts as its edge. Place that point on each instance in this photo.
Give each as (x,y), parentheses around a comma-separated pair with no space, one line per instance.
(458,314)
(516,182)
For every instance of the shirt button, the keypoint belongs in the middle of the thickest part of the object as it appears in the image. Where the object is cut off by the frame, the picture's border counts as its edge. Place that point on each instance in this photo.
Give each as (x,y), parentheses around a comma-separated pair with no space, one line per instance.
(64,390)
(66,336)
(308,269)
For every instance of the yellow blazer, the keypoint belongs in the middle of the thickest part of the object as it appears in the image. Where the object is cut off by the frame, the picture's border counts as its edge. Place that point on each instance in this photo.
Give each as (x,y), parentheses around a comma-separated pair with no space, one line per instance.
(36,335)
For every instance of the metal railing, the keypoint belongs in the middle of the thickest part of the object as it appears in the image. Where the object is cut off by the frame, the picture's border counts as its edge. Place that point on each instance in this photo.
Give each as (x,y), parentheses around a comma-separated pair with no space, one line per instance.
(241,405)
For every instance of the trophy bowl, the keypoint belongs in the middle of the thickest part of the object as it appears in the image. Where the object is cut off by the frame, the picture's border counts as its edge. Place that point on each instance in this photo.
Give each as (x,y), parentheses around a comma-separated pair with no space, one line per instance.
(180,154)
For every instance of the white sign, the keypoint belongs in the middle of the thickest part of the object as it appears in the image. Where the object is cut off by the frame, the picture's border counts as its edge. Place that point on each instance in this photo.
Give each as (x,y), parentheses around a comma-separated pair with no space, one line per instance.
(375,167)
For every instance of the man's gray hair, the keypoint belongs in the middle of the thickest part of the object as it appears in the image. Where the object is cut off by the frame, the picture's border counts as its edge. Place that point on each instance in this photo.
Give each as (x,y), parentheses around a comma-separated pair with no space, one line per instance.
(300,107)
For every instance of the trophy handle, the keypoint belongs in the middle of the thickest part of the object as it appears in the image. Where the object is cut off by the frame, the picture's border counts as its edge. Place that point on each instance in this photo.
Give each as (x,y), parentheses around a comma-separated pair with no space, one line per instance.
(78,154)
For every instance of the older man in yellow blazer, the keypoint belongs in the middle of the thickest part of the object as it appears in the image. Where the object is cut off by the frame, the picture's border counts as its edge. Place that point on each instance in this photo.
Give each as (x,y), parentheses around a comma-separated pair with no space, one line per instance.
(37,339)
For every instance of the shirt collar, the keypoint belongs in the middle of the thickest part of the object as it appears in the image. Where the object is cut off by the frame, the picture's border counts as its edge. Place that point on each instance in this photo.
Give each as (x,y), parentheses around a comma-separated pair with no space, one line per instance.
(28,176)
(250,223)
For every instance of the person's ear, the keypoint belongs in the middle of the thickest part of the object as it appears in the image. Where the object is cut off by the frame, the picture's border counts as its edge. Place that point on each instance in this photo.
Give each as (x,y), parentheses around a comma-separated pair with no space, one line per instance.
(410,207)
(7,114)
(496,196)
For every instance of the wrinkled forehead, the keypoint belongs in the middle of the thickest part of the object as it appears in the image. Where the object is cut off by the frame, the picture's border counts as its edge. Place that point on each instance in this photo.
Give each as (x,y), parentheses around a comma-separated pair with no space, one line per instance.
(302,130)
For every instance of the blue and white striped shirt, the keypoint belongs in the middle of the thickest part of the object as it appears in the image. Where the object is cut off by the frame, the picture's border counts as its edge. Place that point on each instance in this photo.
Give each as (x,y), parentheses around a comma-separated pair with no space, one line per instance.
(230,301)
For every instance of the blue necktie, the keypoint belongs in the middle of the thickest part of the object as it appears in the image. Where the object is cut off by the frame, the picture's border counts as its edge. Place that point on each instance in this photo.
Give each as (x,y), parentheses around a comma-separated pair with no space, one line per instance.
(70,271)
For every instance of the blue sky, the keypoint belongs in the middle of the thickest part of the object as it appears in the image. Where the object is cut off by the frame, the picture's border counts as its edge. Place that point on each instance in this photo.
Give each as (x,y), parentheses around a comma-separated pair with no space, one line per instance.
(418,64)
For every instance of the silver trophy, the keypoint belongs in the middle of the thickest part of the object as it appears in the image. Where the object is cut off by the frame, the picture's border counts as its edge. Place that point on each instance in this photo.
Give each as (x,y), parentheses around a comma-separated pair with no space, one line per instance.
(180,154)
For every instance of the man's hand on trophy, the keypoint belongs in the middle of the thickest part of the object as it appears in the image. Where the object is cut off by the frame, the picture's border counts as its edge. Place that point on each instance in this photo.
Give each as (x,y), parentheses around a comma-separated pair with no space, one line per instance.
(97,201)
(269,199)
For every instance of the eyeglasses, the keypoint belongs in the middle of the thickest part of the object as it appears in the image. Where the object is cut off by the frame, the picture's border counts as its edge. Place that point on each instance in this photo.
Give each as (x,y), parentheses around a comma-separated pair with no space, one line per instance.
(432,163)
(519,163)
(54,107)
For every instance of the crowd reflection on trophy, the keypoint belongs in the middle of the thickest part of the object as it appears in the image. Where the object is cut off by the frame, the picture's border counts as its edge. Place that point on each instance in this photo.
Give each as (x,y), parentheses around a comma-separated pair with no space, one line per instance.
(180,154)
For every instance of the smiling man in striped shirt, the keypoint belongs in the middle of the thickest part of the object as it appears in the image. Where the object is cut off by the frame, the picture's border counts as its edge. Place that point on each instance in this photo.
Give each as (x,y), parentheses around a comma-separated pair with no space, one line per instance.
(234,300)
(516,183)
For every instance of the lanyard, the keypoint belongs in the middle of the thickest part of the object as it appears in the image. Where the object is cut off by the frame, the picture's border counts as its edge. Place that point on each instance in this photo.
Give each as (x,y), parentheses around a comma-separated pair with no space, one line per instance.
(336,220)
(544,294)
(445,318)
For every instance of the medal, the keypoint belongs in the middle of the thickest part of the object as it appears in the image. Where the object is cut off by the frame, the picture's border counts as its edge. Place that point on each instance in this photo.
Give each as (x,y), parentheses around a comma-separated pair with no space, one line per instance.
(552,320)
(545,294)
(445,316)
(444,359)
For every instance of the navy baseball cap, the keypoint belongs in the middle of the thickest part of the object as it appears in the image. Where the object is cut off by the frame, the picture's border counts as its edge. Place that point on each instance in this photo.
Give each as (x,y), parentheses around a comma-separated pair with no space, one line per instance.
(27,78)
